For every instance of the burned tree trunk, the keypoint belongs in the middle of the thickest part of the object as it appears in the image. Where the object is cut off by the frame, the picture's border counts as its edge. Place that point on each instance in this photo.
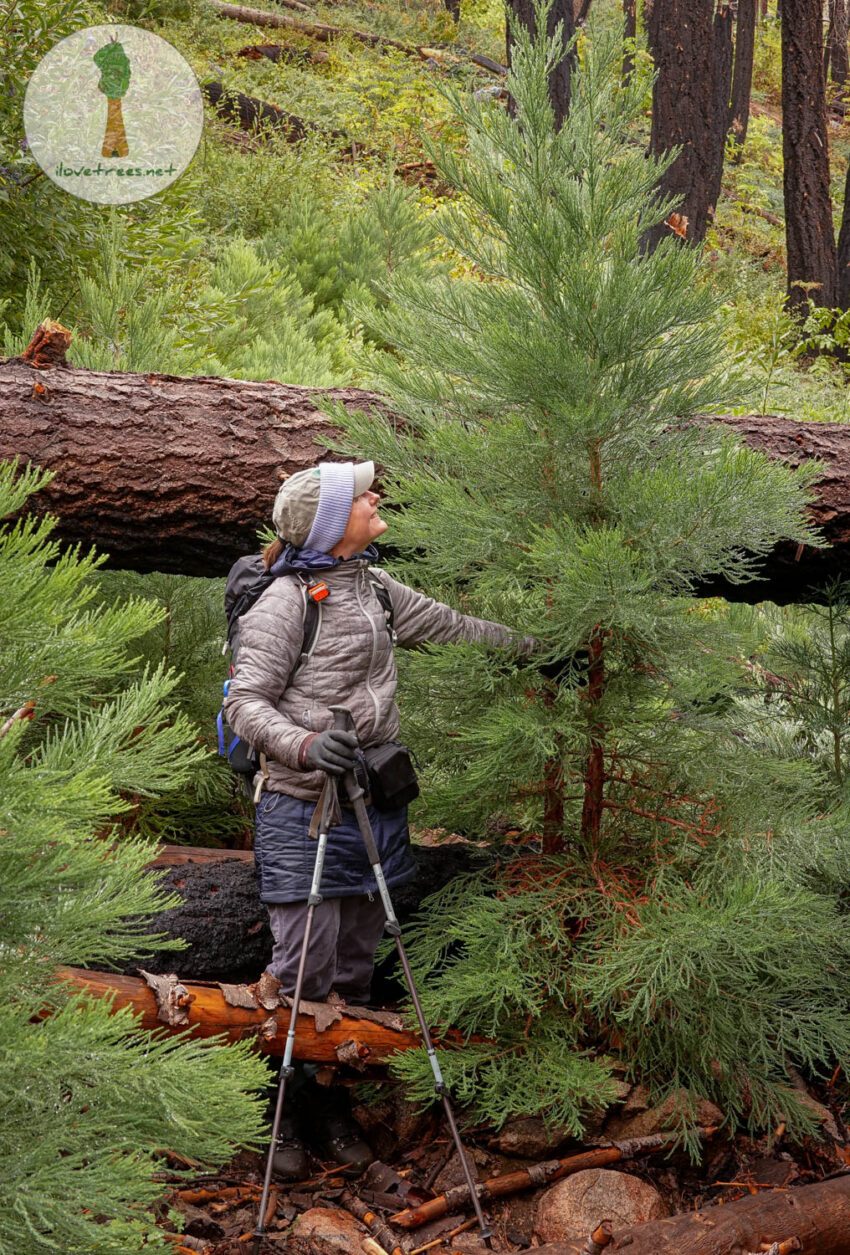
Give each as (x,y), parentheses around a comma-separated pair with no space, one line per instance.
(178,475)
(809,231)
(742,78)
(842,277)
(562,12)
(681,42)
(721,90)
(835,54)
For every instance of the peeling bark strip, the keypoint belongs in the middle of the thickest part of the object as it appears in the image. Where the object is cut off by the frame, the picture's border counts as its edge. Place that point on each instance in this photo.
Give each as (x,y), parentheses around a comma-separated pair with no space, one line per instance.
(815,1216)
(179,475)
(206,1012)
(172,999)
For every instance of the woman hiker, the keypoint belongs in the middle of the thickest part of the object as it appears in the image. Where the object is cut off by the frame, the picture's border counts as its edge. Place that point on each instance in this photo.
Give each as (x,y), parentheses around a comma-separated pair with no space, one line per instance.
(325,520)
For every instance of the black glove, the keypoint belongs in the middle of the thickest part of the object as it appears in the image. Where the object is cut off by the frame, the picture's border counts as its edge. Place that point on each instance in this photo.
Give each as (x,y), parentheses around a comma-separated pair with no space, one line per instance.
(332,751)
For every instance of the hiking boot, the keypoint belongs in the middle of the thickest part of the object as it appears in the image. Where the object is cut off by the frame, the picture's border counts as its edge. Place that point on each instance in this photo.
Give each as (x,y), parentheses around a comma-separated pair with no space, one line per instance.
(336,1136)
(289,1162)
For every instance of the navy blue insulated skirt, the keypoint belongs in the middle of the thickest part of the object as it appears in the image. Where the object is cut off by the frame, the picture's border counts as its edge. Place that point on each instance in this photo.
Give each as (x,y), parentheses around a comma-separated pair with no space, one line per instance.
(285,854)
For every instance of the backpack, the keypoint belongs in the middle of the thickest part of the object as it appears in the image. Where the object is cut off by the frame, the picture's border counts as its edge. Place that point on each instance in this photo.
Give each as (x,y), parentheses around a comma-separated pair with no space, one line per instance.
(247,580)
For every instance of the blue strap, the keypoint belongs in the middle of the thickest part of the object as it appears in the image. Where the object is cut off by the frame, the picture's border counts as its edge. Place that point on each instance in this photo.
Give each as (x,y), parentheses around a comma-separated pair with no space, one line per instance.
(219,723)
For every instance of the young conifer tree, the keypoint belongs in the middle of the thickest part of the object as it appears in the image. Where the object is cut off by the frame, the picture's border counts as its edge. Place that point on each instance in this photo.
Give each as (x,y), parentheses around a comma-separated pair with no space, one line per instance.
(90,1102)
(641,904)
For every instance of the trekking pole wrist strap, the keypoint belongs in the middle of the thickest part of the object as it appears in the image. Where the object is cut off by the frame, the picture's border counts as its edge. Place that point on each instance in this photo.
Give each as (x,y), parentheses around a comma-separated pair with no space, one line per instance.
(302,752)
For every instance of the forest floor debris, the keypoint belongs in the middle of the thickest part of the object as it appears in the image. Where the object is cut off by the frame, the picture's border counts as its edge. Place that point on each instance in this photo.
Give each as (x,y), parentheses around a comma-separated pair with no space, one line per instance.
(328,1215)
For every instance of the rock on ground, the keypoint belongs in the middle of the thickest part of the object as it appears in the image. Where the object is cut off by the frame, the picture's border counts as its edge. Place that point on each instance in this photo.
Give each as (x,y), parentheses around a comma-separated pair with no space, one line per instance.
(571,1209)
(529,1138)
(637,1118)
(330,1232)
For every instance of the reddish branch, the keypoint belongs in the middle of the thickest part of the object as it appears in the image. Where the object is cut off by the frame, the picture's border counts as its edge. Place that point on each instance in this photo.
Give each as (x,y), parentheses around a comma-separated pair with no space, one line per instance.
(594,772)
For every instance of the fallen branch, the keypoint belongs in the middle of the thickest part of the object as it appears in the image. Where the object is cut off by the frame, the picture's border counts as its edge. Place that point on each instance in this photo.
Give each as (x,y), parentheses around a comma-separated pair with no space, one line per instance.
(814,1219)
(373,1222)
(532,1178)
(21,714)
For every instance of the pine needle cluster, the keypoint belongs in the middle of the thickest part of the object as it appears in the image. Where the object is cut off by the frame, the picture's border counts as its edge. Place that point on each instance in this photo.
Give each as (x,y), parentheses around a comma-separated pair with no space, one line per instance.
(554,470)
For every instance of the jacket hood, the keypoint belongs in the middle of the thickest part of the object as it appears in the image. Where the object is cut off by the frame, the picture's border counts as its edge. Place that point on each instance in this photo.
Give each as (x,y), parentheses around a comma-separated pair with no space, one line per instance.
(293,560)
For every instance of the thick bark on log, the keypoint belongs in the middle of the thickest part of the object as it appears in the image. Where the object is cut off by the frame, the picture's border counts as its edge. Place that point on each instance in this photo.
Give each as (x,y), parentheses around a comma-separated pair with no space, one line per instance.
(164,473)
(226,926)
(206,1010)
(559,80)
(819,1215)
(809,231)
(742,78)
(178,475)
(681,42)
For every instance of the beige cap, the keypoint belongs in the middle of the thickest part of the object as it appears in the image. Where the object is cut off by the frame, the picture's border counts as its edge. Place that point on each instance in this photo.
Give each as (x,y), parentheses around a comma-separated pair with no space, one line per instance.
(311,509)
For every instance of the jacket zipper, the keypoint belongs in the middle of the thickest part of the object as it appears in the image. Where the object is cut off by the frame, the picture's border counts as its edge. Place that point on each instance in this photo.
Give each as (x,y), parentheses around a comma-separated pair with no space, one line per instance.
(359,584)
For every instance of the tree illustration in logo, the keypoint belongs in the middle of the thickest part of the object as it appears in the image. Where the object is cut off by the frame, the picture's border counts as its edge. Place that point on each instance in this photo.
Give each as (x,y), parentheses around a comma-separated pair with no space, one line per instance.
(114,66)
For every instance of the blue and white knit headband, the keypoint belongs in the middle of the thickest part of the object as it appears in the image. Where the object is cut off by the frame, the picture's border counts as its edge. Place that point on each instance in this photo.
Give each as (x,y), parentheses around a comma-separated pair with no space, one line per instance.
(336,494)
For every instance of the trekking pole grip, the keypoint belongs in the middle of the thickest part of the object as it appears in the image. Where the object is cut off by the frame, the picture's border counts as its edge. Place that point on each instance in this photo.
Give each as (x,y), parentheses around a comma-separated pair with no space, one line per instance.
(343,719)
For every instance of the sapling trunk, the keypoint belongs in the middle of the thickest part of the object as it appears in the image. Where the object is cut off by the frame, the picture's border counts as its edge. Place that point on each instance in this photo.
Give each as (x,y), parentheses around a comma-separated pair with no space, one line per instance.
(594,770)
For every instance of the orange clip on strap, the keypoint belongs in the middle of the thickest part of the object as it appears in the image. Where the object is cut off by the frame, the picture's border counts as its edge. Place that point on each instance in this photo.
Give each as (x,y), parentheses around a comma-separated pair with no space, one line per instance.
(318,591)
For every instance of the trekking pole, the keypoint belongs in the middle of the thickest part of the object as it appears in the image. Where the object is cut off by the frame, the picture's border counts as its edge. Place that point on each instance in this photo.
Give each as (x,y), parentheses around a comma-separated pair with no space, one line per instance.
(287,1071)
(354,795)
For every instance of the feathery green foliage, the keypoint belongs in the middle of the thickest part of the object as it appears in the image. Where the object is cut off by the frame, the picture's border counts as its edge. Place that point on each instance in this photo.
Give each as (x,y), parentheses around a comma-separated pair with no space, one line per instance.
(90,1101)
(551,476)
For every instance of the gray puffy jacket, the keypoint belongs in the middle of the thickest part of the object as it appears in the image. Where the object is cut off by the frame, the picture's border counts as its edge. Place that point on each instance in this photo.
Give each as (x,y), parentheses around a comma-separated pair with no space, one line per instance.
(351,664)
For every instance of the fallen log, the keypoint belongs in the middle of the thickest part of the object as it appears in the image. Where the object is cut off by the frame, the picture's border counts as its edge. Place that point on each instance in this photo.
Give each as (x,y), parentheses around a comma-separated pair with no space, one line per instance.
(532,1178)
(315,30)
(325,34)
(251,114)
(179,474)
(326,1032)
(818,1216)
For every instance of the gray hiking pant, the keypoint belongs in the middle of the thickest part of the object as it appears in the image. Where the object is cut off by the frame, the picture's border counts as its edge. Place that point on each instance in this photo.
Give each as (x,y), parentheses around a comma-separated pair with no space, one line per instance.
(343,941)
